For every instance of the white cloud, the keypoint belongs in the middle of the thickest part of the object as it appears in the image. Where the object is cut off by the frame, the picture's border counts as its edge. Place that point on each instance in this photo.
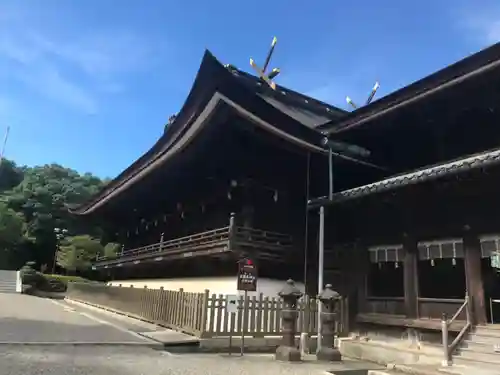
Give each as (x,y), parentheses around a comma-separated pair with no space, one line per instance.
(49,82)
(481,24)
(106,53)
(72,70)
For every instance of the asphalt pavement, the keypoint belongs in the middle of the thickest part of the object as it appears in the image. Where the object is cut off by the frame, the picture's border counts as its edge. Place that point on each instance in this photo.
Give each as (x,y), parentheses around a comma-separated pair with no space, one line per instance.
(32,320)
(41,336)
(142,361)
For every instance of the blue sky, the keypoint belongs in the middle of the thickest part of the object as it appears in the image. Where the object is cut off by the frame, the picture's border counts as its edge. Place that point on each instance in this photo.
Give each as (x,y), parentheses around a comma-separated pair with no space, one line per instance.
(90,83)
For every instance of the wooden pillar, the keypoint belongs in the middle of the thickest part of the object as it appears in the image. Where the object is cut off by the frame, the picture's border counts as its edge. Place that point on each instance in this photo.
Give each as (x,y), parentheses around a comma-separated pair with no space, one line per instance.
(360,264)
(473,275)
(410,275)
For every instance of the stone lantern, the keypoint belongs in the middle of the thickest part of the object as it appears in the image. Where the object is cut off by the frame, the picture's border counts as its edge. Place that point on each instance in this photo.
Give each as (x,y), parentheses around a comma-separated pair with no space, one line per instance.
(331,301)
(288,351)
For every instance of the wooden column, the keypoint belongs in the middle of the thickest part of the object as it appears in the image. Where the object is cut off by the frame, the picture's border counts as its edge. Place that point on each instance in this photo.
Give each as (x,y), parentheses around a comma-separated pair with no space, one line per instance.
(410,275)
(473,275)
(360,265)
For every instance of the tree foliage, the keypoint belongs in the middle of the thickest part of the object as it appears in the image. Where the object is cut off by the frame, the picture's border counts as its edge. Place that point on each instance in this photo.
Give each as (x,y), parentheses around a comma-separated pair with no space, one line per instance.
(77,253)
(112,249)
(34,201)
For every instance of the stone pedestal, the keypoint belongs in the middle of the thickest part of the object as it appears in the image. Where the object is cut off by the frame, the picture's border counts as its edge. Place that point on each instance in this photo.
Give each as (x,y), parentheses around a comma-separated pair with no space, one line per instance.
(330,300)
(288,351)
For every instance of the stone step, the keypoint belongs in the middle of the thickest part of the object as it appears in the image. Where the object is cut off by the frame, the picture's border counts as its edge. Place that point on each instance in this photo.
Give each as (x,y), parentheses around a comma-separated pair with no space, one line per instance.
(478,359)
(484,338)
(466,370)
(488,330)
(479,346)
(472,363)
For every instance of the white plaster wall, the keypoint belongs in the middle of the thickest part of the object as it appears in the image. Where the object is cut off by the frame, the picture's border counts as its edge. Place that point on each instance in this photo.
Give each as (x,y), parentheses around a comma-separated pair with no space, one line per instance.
(218,285)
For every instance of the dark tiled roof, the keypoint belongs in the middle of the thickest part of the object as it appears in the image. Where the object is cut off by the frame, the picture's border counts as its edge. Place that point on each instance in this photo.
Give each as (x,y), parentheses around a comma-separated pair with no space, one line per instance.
(468,67)
(482,160)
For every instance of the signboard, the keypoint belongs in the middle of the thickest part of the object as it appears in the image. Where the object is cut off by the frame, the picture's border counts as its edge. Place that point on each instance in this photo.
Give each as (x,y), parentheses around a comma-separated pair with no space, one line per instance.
(232,303)
(247,276)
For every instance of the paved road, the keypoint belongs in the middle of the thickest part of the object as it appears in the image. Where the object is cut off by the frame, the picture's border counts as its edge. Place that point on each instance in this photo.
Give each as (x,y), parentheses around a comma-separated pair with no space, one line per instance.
(139,361)
(28,319)
(38,322)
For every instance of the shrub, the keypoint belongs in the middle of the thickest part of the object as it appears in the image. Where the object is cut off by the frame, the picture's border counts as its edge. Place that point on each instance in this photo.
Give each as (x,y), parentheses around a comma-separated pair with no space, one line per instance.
(66,278)
(30,277)
(35,280)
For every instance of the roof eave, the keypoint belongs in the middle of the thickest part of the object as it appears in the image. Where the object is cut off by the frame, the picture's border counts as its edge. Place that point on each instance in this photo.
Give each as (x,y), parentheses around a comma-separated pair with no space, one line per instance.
(482,160)
(487,60)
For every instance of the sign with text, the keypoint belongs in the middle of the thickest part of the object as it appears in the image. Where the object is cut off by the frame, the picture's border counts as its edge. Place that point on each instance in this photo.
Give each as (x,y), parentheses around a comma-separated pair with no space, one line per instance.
(247,276)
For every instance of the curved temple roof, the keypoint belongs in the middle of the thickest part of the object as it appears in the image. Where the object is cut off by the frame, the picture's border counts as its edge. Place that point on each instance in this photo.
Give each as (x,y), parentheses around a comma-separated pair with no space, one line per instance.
(283,112)
(467,68)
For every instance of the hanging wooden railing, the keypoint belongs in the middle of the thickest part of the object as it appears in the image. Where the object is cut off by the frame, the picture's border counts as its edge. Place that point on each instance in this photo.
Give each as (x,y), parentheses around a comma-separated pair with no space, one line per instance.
(230,238)
(267,244)
(194,242)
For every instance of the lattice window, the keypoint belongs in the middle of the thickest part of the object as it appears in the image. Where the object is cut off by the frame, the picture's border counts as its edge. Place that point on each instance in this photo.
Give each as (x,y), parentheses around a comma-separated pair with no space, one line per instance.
(489,244)
(386,253)
(451,248)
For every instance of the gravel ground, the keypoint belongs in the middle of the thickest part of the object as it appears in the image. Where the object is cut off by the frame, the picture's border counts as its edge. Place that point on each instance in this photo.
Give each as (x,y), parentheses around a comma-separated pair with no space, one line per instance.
(143,361)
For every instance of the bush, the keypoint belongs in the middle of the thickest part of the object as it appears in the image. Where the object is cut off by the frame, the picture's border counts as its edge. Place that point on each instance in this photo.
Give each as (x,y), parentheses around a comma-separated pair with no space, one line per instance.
(34,280)
(66,279)
(30,277)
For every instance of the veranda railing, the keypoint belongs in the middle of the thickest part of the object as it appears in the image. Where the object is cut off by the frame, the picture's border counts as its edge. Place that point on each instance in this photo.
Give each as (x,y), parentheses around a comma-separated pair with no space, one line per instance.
(269,244)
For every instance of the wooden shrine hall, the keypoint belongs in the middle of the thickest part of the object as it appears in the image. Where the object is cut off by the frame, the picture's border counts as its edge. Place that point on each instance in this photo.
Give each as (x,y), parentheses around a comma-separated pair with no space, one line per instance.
(429,232)
(230,177)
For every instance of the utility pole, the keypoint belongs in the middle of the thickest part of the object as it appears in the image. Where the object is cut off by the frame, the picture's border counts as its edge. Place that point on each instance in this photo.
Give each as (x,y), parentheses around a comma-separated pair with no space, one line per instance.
(4,144)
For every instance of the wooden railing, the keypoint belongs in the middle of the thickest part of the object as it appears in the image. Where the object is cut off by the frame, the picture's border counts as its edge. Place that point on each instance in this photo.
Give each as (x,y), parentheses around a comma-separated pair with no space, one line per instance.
(385,305)
(193,243)
(433,308)
(448,349)
(203,314)
(268,244)
(230,238)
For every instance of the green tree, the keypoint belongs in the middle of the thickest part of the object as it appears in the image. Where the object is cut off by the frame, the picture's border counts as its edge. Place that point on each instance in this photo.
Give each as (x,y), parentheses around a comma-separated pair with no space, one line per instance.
(10,175)
(77,253)
(112,249)
(11,238)
(40,196)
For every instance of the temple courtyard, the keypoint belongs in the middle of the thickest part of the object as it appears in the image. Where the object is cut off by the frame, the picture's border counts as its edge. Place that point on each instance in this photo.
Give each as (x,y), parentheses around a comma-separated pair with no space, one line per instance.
(43,336)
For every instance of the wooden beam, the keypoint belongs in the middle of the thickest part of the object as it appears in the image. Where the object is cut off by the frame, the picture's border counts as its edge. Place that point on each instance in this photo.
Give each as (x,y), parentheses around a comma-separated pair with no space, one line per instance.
(473,275)
(410,276)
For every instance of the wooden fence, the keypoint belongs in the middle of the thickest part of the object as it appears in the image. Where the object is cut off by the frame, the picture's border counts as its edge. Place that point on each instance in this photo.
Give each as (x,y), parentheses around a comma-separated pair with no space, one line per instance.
(202,314)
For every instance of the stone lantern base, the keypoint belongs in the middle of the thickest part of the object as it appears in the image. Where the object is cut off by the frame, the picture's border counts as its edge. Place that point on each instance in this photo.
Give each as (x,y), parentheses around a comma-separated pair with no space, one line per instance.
(288,354)
(328,354)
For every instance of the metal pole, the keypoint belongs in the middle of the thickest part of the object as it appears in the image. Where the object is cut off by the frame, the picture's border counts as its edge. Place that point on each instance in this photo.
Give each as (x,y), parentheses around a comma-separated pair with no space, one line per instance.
(55,257)
(4,144)
(245,322)
(444,332)
(306,323)
(321,261)
(330,174)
